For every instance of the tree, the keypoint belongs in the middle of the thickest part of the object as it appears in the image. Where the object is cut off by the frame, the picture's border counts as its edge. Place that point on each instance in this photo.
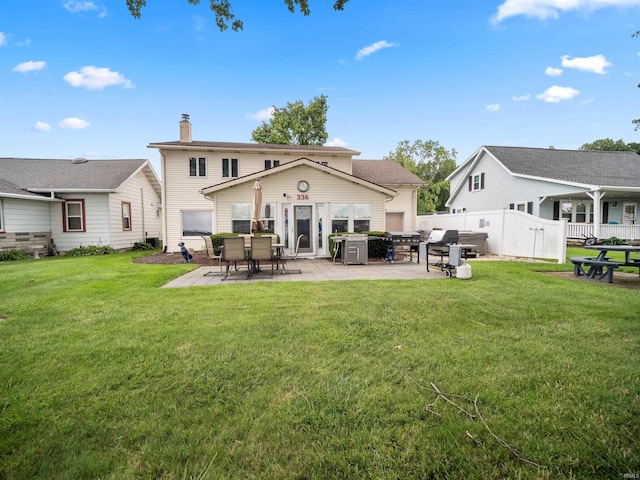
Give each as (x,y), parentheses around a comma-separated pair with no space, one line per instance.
(295,124)
(224,12)
(432,163)
(609,145)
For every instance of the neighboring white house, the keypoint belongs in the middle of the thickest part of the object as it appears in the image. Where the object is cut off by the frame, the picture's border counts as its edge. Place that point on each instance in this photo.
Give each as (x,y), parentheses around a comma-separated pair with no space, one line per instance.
(307,190)
(597,192)
(78,203)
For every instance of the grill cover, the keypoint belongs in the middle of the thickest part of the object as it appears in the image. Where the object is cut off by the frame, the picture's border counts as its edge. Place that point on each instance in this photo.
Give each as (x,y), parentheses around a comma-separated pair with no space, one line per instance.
(442,237)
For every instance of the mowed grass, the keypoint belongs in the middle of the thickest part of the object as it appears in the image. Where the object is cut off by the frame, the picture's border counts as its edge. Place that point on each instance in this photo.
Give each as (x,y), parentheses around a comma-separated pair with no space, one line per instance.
(103,374)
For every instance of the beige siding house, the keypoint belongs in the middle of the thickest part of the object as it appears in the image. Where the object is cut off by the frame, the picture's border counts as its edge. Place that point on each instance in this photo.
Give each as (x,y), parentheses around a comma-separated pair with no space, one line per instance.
(78,203)
(306,190)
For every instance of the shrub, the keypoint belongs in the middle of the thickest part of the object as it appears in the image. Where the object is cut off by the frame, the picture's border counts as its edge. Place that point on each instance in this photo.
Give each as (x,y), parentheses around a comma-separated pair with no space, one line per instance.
(216,238)
(142,246)
(614,241)
(12,255)
(90,250)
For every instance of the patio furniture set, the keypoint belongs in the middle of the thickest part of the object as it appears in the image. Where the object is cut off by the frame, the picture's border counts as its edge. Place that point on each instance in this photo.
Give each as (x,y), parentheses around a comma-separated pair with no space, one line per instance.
(252,250)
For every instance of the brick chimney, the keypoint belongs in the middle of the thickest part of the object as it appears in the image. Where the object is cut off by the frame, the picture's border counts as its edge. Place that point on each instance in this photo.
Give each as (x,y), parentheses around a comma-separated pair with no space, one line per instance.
(185,129)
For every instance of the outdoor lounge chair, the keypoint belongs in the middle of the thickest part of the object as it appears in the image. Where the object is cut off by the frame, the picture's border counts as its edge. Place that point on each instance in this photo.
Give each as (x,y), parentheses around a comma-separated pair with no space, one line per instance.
(232,252)
(212,255)
(261,251)
(291,257)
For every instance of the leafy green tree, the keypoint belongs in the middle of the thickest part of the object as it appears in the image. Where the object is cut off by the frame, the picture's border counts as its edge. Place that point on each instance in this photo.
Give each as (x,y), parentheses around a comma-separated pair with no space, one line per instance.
(609,145)
(295,124)
(432,163)
(224,12)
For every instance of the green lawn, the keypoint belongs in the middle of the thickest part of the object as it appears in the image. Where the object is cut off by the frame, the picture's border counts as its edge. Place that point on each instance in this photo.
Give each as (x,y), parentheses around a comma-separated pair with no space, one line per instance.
(105,375)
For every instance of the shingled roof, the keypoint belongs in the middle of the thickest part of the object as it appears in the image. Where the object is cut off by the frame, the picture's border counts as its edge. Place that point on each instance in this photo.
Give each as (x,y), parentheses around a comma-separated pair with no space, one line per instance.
(255,146)
(384,172)
(613,169)
(28,175)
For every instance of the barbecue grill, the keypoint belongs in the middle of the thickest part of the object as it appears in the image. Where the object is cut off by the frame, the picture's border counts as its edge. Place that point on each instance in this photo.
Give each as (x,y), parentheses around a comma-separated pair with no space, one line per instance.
(410,239)
(438,244)
(444,243)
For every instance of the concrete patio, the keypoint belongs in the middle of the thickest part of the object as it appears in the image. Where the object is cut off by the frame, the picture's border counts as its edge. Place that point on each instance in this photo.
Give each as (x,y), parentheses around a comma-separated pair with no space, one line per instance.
(312,270)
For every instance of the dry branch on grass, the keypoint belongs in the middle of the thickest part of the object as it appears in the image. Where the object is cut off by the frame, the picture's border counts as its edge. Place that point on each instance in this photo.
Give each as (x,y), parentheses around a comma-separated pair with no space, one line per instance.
(478,415)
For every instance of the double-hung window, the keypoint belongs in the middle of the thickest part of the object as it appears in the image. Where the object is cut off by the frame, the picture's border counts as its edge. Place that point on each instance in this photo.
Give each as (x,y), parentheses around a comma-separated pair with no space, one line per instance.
(361,217)
(197,167)
(339,217)
(73,216)
(241,217)
(271,164)
(126,216)
(230,168)
(476,182)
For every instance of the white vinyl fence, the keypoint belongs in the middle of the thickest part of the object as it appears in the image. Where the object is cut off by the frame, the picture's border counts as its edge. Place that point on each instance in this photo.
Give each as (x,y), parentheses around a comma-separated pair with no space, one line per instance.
(509,232)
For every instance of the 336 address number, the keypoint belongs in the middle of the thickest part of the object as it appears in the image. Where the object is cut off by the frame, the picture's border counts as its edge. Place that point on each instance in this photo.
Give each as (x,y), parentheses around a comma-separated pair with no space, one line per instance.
(302,197)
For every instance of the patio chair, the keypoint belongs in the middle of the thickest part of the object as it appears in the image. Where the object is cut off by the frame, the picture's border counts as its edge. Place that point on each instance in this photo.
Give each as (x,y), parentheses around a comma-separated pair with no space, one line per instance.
(291,257)
(261,250)
(233,252)
(211,254)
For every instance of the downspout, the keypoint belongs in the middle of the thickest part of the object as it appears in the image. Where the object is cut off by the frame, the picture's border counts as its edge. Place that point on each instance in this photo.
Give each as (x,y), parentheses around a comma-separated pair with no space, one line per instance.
(163,192)
(144,229)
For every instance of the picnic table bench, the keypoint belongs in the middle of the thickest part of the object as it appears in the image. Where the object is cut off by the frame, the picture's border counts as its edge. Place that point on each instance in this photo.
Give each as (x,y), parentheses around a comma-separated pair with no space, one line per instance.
(596,268)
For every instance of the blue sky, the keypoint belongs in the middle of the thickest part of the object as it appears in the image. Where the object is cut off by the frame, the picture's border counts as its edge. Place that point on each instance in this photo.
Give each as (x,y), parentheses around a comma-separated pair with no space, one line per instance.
(86,79)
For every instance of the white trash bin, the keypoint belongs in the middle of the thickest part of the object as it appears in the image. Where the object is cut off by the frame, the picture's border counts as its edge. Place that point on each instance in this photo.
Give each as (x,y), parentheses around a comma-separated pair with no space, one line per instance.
(463,271)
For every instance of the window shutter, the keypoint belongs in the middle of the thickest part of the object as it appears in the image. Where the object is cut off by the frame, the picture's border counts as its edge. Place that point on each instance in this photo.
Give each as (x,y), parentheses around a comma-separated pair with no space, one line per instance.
(470,183)
(482,181)
(605,212)
(530,208)
(556,210)
(512,206)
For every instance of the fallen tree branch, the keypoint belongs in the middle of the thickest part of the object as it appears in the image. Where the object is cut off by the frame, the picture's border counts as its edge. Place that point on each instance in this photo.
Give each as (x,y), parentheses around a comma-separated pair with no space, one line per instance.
(445,396)
(518,454)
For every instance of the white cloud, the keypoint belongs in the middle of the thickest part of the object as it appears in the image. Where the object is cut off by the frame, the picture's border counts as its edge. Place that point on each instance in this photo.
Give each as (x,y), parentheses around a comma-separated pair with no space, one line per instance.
(595,64)
(544,9)
(336,142)
(521,98)
(553,72)
(29,66)
(264,114)
(95,78)
(3,39)
(557,94)
(373,48)
(75,6)
(493,107)
(42,127)
(74,123)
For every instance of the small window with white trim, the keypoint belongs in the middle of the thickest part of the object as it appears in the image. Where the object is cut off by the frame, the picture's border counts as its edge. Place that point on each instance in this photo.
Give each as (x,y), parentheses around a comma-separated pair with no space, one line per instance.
(73,216)
(126,216)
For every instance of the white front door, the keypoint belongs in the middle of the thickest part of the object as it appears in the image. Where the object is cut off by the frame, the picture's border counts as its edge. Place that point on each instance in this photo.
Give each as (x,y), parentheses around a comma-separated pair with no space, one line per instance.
(629,214)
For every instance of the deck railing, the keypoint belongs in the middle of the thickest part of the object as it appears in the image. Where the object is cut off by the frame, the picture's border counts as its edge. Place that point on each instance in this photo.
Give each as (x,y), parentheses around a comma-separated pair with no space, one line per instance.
(583,230)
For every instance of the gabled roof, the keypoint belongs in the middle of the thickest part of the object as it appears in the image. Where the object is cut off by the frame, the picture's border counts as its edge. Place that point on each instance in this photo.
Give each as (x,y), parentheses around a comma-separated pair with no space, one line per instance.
(254,147)
(586,167)
(296,163)
(46,176)
(385,172)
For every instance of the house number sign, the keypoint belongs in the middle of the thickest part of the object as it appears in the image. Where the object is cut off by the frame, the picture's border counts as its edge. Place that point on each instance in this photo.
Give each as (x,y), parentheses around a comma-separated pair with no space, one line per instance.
(302,197)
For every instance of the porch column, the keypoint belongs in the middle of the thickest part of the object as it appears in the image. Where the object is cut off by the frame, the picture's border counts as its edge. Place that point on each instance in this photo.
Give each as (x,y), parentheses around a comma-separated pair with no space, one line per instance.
(596,195)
